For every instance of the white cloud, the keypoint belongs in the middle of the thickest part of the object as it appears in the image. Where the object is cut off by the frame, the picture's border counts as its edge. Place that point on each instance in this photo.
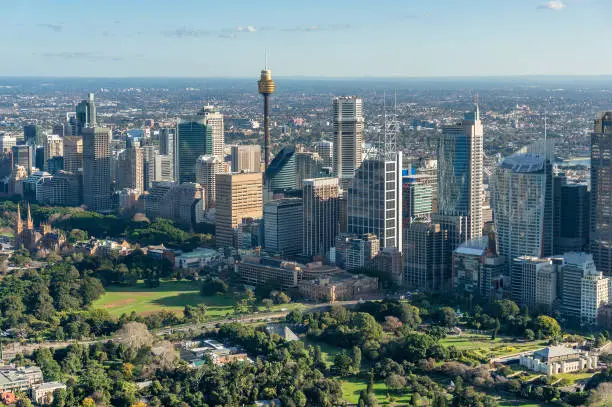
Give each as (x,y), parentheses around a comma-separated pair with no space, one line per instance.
(248,28)
(554,5)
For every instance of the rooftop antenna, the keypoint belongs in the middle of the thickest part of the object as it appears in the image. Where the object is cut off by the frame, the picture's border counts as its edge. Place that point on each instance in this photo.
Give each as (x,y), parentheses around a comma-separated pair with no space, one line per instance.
(266,59)
(545,123)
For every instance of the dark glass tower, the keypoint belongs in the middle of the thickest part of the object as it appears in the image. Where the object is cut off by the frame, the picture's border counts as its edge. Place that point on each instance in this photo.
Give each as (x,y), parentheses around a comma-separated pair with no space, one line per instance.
(601,193)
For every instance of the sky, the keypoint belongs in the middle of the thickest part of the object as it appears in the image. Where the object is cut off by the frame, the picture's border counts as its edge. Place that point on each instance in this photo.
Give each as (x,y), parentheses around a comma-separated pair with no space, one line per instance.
(315,38)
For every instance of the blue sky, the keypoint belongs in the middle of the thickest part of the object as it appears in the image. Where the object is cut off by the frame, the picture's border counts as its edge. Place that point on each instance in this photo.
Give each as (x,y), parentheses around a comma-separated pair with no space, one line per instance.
(333,38)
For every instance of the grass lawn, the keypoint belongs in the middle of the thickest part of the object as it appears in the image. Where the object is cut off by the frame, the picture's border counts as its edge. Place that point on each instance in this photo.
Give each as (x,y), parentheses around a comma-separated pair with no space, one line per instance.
(493,348)
(169,296)
(521,403)
(574,377)
(328,352)
(351,387)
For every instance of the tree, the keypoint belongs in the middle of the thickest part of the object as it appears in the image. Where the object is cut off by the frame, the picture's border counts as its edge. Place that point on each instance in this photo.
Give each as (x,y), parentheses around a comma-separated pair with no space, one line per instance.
(504,309)
(135,335)
(395,382)
(410,315)
(356,354)
(447,317)
(529,334)
(283,298)
(392,323)
(496,329)
(548,326)
(343,364)
(267,302)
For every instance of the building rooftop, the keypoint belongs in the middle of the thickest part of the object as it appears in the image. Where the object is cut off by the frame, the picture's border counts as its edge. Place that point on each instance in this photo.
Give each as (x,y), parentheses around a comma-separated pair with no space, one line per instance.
(551,352)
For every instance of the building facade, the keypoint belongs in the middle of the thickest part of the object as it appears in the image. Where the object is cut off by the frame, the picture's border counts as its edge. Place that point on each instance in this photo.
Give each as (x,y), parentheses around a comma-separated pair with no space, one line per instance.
(207,168)
(238,196)
(283,224)
(348,125)
(97,169)
(321,215)
(601,193)
(246,158)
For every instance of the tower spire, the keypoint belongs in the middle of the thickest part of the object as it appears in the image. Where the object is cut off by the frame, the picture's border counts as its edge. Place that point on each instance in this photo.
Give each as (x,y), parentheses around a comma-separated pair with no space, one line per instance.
(477,110)
(29,222)
(19,221)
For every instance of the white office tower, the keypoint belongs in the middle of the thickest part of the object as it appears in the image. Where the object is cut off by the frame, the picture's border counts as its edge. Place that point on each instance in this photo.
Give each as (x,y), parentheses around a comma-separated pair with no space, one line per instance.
(348,126)
(584,290)
(207,168)
(53,147)
(215,139)
(460,169)
(7,142)
(163,168)
(375,200)
(522,192)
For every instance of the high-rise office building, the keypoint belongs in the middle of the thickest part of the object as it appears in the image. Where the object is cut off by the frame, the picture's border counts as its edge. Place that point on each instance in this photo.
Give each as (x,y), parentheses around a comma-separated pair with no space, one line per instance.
(307,165)
(522,193)
(149,154)
(584,289)
(417,199)
(427,257)
(167,146)
(534,282)
(460,171)
(63,189)
(207,168)
(181,203)
(601,193)
(96,169)
(73,153)
(130,169)
(321,215)
(197,136)
(33,134)
(86,113)
(325,149)
(163,168)
(238,196)
(246,158)
(348,126)
(53,147)
(283,223)
(572,209)
(6,143)
(23,155)
(281,172)
(353,252)
(375,200)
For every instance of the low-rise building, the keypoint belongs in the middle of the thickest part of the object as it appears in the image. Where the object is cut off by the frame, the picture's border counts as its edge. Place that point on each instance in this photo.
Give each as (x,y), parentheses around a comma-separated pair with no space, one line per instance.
(13,379)
(559,359)
(197,258)
(43,394)
(340,286)
(259,271)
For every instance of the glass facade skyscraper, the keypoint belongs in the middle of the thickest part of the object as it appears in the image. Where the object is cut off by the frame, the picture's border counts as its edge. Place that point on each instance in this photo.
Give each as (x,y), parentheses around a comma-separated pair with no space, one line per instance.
(601,193)
(347,125)
(522,193)
(460,167)
(375,201)
(197,136)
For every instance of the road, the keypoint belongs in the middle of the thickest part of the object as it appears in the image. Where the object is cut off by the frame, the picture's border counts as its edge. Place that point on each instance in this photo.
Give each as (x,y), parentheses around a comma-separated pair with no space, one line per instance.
(11,349)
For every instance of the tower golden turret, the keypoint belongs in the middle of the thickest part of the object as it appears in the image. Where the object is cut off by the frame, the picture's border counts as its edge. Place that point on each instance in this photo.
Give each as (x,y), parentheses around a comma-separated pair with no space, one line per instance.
(266,88)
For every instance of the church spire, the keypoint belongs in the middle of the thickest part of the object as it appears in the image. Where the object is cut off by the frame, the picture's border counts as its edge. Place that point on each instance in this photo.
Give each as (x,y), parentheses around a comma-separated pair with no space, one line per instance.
(30,223)
(19,221)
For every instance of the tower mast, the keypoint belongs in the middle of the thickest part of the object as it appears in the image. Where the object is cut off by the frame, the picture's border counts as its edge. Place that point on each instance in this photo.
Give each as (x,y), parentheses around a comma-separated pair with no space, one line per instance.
(266,88)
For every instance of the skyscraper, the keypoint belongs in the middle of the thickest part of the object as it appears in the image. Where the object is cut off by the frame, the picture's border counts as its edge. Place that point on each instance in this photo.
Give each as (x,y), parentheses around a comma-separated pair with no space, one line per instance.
(375,200)
(23,155)
(199,135)
(6,143)
(321,215)
(460,166)
(246,158)
(426,257)
(167,139)
(417,200)
(207,168)
(601,193)
(130,169)
(239,196)
(54,147)
(266,88)
(325,149)
(281,172)
(33,134)
(522,193)
(347,125)
(86,113)
(572,208)
(73,153)
(307,165)
(283,225)
(96,169)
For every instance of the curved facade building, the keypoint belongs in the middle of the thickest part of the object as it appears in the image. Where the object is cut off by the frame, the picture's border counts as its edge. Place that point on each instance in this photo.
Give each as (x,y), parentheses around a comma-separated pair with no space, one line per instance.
(281,173)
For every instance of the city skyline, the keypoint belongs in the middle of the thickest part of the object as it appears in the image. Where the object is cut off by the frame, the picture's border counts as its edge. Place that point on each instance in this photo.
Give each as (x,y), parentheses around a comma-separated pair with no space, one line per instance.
(400,39)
